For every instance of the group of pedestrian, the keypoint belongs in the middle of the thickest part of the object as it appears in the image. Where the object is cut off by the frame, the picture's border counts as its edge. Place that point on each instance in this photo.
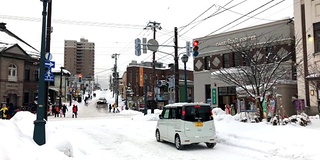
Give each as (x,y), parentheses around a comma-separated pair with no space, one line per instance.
(114,108)
(61,111)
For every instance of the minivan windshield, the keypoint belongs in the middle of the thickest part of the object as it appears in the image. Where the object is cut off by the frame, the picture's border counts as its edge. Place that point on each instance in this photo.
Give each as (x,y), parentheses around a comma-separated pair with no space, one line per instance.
(197,113)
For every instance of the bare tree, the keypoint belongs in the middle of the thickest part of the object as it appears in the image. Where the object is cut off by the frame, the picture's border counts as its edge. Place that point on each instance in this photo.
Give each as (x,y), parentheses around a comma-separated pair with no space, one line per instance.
(259,63)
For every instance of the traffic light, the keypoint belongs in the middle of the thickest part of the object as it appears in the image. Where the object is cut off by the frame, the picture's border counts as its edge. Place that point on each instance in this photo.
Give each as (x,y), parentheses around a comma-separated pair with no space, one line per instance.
(80,78)
(137,43)
(195,48)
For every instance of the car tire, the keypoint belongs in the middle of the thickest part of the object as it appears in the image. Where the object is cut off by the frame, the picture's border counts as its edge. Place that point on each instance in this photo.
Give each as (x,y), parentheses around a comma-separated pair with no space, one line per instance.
(210,145)
(177,142)
(158,138)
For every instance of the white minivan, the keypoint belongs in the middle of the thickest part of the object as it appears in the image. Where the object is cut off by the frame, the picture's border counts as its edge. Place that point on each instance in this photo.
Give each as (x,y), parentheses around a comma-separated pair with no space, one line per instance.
(186,123)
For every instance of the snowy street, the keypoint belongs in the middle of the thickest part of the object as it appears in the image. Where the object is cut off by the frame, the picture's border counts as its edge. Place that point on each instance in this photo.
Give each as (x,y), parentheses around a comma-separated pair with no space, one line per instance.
(130,135)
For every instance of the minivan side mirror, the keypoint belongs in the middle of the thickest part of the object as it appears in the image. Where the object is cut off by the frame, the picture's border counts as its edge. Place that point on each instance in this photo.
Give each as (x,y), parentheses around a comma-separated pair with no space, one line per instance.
(160,116)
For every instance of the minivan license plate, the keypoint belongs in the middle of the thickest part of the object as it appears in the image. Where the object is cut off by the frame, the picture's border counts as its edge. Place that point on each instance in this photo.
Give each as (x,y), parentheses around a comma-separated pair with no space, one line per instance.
(198,124)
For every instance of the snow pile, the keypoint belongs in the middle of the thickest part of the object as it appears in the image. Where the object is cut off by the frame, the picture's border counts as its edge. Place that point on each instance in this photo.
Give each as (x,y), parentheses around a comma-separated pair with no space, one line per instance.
(220,114)
(148,117)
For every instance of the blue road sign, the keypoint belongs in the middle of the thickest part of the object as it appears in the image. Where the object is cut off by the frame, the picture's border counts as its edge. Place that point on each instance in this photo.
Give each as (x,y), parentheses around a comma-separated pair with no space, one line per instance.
(48,76)
(49,64)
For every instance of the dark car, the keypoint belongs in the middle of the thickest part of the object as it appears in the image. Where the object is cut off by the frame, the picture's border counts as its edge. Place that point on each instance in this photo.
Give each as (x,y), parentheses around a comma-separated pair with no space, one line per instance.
(102,100)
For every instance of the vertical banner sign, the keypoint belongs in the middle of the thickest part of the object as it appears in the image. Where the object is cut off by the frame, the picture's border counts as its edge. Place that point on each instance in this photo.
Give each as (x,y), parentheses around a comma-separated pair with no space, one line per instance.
(140,76)
(214,96)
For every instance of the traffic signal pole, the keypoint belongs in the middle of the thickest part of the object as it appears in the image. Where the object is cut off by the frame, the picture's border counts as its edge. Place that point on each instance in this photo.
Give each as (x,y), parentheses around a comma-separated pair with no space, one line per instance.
(176,66)
(154,26)
(116,78)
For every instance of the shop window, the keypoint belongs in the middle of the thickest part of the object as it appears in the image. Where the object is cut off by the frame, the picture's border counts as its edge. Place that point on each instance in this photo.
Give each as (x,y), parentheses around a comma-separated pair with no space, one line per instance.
(12,74)
(207,92)
(36,75)
(226,60)
(27,74)
(316,31)
(237,59)
(207,63)
(25,98)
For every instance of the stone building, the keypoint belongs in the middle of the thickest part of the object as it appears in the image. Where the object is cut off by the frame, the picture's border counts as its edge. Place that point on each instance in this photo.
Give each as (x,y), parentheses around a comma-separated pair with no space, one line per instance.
(19,75)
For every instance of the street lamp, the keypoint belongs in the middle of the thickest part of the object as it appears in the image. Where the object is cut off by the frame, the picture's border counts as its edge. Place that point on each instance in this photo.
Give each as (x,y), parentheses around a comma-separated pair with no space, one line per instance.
(184,59)
(60,93)
(39,132)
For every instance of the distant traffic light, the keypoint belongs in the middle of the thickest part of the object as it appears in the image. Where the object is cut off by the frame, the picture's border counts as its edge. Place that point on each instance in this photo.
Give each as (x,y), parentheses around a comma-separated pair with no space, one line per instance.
(137,43)
(80,77)
(195,48)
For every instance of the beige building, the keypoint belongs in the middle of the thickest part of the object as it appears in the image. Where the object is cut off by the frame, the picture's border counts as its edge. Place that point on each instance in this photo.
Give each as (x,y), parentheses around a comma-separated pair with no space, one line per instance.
(307,32)
(216,53)
(79,57)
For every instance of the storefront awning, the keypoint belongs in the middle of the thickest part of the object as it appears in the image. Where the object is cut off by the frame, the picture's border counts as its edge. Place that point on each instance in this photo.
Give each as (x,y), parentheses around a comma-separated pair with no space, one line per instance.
(54,89)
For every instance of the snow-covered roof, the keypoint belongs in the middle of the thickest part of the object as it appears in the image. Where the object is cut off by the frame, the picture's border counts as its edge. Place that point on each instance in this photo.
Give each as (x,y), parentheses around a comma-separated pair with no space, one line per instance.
(7,41)
(226,70)
(57,70)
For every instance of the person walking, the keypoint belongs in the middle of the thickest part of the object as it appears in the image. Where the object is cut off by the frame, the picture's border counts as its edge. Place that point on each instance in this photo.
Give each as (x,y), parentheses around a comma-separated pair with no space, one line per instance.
(64,110)
(74,111)
(110,107)
(4,110)
(57,111)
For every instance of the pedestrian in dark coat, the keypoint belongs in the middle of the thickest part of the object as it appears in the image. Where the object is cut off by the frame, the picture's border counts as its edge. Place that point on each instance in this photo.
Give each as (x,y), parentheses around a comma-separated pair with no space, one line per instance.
(64,110)
(110,107)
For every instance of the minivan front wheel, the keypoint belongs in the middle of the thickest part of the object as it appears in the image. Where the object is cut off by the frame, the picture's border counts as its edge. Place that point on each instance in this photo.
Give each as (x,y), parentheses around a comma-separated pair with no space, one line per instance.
(210,145)
(177,143)
(158,136)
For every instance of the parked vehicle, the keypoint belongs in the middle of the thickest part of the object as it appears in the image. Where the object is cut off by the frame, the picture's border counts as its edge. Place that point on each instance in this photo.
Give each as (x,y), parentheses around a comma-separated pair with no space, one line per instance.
(185,124)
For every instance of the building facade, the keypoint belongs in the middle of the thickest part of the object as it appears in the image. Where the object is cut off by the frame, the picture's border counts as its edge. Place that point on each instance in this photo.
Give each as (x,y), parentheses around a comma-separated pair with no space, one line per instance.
(79,57)
(133,84)
(307,30)
(216,52)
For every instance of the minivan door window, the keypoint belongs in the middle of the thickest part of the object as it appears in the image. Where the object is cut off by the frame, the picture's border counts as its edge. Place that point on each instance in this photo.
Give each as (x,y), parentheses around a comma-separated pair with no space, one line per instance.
(166,114)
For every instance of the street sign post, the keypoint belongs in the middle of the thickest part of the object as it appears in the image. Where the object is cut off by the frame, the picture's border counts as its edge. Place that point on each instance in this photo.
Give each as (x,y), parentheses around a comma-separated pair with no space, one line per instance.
(48,76)
(49,64)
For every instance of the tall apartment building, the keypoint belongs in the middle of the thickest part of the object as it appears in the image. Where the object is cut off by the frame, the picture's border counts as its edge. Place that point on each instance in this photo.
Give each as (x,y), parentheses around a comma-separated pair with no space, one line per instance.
(79,57)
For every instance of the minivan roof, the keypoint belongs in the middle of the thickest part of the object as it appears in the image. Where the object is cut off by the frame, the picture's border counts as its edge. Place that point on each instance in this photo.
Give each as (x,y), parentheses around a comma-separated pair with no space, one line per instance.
(180,104)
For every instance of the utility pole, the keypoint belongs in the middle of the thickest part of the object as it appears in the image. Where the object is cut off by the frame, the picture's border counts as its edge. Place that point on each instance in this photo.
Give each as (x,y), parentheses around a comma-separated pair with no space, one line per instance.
(116,77)
(48,39)
(154,26)
(176,66)
(60,87)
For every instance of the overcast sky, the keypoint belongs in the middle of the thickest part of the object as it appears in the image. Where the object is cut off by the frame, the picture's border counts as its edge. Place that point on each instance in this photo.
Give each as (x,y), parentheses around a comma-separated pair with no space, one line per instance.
(121,21)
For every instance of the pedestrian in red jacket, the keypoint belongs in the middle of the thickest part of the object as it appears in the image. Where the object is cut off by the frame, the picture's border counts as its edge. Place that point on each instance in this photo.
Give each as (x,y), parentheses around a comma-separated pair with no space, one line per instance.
(74,111)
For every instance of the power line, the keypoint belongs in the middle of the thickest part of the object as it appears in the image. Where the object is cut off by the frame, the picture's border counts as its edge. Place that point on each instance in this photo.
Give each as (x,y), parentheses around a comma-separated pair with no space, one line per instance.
(239,18)
(214,14)
(73,22)
(250,17)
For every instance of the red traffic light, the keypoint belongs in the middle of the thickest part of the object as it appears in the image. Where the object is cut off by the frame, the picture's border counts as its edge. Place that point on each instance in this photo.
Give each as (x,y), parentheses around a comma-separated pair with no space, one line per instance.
(195,48)
(79,75)
(195,43)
